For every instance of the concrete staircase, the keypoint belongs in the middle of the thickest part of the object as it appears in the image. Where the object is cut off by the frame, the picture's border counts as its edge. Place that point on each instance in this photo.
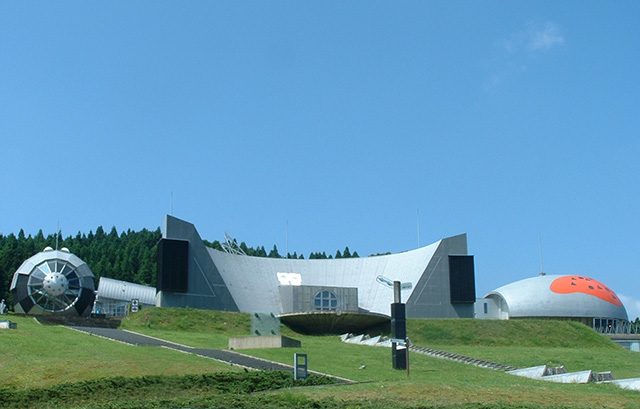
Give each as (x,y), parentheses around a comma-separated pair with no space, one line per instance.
(542,372)
(461,358)
(386,342)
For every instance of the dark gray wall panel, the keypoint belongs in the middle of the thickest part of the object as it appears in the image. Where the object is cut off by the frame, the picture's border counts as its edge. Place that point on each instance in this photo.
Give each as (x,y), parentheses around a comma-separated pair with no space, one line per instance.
(205,288)
(462,282)
(173,265)
(431,297)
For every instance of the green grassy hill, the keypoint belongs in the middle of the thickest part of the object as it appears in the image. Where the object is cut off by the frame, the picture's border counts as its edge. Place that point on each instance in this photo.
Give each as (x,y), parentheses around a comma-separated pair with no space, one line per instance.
(500,333)
(50,361)
(427,332)
(190,320)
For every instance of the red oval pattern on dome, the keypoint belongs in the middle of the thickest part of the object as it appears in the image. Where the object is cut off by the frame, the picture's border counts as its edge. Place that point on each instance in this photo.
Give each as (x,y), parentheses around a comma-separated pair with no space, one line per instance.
(586,285)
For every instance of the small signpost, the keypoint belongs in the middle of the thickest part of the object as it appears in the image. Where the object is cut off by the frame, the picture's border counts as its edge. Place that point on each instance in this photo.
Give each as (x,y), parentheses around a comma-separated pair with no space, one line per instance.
(135,304)
(300,366)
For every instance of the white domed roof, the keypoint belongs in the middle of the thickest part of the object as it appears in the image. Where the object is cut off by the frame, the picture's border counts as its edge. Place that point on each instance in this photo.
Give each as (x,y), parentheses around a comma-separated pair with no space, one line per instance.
(560,296)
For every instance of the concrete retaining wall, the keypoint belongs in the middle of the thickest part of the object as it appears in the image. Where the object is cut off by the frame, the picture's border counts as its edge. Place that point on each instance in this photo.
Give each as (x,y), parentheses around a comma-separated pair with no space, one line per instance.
(268,341)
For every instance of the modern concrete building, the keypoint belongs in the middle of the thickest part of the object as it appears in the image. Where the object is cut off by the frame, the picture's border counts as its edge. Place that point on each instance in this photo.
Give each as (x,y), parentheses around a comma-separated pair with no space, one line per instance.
(567,297)
(314,293)
(53,282)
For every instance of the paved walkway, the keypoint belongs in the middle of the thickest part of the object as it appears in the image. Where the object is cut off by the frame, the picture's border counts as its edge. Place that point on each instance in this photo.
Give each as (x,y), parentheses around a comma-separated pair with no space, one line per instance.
(230,357)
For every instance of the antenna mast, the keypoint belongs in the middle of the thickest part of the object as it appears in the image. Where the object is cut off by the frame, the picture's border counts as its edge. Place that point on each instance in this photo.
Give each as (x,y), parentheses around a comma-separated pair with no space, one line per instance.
(542,273)
(418,228)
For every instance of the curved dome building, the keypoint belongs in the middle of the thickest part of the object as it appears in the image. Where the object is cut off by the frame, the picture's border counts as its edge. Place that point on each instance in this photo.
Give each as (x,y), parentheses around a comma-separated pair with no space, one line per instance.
(569,297)
(53,282)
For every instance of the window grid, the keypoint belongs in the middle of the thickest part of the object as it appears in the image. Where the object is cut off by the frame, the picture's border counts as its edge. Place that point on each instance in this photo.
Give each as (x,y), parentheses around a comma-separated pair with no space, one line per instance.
(325,301)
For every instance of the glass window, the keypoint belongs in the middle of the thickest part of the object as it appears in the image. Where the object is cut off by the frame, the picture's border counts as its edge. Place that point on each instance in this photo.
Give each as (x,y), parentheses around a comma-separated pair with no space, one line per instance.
(44,267)
(325,301)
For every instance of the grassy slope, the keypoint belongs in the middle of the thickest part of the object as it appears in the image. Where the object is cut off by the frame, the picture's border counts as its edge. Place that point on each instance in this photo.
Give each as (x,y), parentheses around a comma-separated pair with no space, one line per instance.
(433,382)
(520,343)
(37,355)
(196,328)
(499,333)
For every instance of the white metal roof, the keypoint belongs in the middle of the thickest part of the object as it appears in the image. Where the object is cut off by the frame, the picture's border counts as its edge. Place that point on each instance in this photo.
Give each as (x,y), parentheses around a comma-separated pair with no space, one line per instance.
(253,281)
(571,296)
(50,255)
(109,288)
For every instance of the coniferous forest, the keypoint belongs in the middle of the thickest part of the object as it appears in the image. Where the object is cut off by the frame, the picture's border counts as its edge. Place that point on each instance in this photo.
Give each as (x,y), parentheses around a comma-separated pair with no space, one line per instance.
(128,256)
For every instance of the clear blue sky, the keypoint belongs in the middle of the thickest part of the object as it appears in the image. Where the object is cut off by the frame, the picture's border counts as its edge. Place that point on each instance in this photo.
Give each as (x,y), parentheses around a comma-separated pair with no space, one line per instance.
(507,120)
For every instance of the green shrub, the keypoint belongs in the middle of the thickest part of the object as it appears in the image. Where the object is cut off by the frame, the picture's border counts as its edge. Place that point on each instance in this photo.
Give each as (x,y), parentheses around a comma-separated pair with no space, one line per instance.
(121,389)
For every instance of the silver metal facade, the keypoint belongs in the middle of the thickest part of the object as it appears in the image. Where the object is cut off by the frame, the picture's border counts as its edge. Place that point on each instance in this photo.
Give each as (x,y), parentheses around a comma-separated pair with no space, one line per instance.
(219,280)
(115,296)
(533,297)
(110,289)
(296,298)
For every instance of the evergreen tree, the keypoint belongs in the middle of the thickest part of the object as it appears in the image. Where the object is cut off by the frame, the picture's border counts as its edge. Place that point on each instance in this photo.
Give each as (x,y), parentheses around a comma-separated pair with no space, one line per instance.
(274,252)
(129,256)
(39,241)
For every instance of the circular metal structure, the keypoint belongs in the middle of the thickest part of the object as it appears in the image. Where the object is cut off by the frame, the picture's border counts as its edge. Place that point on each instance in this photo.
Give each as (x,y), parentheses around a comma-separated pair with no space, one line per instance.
(574,297)
(53,282)
(54,285)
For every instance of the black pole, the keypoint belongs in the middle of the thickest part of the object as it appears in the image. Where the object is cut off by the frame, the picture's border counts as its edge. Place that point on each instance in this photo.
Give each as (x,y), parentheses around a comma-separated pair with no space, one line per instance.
(398,329)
